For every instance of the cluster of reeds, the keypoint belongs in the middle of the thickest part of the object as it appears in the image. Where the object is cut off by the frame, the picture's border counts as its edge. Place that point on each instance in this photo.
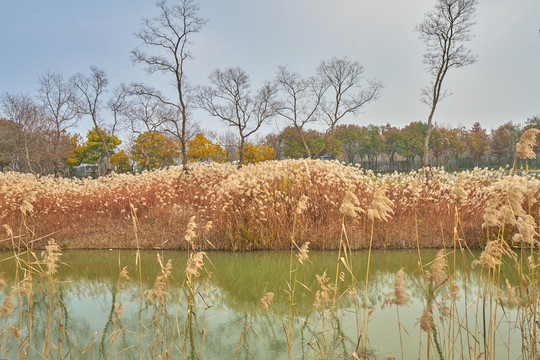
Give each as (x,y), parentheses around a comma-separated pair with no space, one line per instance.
(166,331)
(327,340)
(449,327)
(473,327)
(254,207)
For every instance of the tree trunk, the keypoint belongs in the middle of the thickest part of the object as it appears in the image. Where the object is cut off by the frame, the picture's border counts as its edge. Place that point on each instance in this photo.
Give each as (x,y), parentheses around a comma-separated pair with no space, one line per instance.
(241,152)
(306,147)
(425,161)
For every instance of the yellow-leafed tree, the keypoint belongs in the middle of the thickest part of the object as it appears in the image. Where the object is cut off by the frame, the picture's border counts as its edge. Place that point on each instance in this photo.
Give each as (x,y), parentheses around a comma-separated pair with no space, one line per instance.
(257,153)
(120,160)
(202,149)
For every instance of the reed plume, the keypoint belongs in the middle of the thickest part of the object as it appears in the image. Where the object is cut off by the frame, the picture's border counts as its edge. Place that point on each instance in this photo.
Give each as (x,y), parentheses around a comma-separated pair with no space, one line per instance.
(158,290)
(26,207)
(16,332)
(303,252)
(317,299)
(25,286)
(351,205)
(8,304)
(526,226)
(51,255)
(266,299)
(325,290)
(438,272)
(491,257)
(491,212)
(194,263)
(190,232)
(381,207)
(426,320)
(511,296)
(9,230)
(118,308)
(454,290)
(399,297)
(302,205)
(124,274)
(524,148)
(459,187)
(209,225)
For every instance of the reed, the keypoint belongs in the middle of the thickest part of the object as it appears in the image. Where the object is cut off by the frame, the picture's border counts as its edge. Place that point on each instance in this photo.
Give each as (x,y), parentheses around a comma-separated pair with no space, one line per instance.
(253,207)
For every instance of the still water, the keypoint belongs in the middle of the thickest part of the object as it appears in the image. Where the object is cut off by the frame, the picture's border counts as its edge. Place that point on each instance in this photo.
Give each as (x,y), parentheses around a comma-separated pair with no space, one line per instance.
(228,319)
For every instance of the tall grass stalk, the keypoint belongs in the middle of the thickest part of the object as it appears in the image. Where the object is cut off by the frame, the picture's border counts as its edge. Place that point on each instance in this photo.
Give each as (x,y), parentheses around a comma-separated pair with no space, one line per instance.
(365,306)
(138,264)
(333,308)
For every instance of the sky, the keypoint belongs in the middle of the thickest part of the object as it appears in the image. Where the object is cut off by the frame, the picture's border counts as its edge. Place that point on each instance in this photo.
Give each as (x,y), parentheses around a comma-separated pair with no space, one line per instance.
(67,37)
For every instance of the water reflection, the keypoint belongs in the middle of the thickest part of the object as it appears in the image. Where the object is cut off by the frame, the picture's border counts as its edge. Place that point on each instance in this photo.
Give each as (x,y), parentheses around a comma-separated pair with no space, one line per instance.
(228,319)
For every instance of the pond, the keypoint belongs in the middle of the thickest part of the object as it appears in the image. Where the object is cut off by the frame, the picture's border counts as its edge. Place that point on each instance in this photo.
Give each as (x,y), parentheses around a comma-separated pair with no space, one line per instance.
(87,311)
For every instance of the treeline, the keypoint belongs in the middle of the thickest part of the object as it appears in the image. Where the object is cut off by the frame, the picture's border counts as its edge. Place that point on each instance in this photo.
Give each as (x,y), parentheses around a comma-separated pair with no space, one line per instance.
(35,146)
(388,148)
(40,152)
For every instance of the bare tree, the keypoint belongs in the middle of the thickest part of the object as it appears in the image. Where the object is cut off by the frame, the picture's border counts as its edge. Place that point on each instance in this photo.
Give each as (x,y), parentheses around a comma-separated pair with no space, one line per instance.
(300,100)
(229,141)
(170,120)
(145,113)
(27,138)
(230,99)
(59,99)
(345,95)
(90,102)
(444,30)
(169,34)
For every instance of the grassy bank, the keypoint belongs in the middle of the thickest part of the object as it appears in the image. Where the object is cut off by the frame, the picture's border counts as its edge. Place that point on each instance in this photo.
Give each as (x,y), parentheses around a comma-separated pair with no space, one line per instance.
(257,207)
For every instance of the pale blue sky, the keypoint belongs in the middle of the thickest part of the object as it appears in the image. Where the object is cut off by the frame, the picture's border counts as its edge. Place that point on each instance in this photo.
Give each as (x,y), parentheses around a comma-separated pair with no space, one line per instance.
(68,36)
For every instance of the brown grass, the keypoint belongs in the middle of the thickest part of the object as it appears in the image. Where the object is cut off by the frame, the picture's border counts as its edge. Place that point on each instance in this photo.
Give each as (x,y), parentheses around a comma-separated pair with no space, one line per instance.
(255,207)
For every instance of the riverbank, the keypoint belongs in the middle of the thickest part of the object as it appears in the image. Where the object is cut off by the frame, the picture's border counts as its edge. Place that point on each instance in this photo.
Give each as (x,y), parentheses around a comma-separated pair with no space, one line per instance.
(263,206)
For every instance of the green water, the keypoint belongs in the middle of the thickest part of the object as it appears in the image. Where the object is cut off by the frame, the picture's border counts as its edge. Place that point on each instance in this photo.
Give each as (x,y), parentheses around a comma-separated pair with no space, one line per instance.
(229,321)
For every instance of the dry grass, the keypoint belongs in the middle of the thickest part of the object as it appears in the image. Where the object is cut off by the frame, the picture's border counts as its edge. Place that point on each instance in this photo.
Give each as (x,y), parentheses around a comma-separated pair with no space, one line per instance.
(255,207)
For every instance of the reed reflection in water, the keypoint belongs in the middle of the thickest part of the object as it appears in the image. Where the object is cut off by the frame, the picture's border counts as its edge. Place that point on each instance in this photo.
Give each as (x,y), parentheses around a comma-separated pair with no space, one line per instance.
(228,320)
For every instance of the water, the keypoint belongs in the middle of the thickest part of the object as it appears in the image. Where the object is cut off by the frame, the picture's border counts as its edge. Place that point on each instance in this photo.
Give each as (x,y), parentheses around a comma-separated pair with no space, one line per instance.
(228,320)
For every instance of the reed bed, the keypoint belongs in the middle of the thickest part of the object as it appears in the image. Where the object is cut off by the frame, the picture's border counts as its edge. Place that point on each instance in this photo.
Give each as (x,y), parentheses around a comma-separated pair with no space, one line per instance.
(254,207)
(34,321)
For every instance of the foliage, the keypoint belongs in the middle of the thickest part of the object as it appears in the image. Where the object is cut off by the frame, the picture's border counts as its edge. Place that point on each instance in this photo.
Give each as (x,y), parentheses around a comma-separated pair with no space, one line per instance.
(8,138)
(121,163)
(293,147)
(92,150)
(256,153)
(477,141)
(352,141)
(504,140)
(374,142)
(71,150)
(411,141)
(152,149)
(202,149)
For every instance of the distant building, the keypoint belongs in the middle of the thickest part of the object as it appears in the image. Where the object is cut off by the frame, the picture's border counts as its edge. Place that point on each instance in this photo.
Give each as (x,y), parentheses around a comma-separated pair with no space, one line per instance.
(85,170)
